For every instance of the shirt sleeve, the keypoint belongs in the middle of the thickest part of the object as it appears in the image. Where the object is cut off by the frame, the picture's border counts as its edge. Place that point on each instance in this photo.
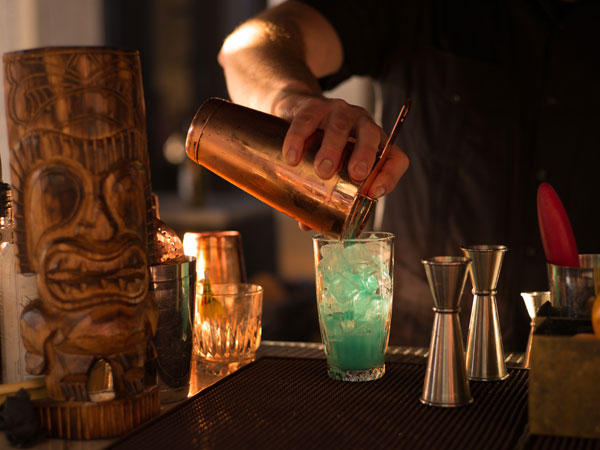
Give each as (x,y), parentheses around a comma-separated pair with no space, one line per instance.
(370,31)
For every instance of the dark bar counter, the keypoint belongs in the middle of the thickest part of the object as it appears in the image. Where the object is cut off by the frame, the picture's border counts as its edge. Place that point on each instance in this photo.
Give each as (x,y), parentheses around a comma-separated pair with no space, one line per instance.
(285,399)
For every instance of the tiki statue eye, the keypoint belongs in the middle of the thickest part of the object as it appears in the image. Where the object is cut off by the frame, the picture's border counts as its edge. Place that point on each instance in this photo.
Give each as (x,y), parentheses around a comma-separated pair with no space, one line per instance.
(56,193)
(125,197)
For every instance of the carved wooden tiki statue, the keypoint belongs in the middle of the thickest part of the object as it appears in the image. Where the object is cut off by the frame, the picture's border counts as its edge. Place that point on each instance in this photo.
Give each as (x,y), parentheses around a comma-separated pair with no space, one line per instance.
(82,195)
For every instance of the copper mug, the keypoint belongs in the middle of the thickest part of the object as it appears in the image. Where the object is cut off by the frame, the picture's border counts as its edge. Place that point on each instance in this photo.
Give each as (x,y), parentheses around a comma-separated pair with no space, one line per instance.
(218,254)
(243,146)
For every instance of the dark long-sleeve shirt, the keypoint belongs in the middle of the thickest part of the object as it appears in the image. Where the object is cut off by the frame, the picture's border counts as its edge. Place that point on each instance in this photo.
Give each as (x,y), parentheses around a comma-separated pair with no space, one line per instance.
(506,94)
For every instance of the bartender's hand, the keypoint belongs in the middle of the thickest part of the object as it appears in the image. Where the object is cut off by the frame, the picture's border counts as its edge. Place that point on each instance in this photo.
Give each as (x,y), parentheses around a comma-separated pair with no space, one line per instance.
(339,120)
(273,62)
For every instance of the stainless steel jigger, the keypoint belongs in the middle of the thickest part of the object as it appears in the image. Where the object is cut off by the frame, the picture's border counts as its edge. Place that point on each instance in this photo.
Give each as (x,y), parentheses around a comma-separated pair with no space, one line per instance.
(533,301)
(485,354)
(446,381)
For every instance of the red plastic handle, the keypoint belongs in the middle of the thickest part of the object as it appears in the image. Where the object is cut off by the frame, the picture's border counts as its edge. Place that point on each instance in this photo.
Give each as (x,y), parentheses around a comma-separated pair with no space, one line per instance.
(557,235)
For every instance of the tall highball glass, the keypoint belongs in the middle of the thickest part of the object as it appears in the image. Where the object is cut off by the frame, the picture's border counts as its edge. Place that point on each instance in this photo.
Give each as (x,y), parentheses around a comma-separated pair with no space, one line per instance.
(354,280)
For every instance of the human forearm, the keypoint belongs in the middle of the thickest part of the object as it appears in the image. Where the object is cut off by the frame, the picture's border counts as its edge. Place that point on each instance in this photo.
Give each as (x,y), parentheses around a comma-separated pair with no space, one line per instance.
(272,63)
(281,51)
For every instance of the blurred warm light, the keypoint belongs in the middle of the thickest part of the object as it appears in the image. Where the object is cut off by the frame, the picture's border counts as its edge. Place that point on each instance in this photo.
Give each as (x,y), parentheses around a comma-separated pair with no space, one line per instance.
(174,148)
(200,264)
(189,245)
(190,248)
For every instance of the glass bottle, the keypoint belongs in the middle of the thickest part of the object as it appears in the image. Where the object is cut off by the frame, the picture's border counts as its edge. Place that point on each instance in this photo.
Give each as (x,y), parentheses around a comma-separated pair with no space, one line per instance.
(168,248)
(16,290)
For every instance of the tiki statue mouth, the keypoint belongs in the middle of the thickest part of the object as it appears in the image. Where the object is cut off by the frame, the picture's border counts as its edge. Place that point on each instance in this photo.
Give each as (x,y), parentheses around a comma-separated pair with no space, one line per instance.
(75,276)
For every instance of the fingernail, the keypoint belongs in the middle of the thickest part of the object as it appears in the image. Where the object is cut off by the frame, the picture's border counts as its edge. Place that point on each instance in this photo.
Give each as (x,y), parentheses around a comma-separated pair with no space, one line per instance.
(377,191)
(325,167)
(291,155)
(361,169)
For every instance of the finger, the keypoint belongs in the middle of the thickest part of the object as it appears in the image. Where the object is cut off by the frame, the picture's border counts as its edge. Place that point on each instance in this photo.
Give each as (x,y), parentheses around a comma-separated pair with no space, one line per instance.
(394,167)
(304,227)
(368,137)
(337,129)
(304,123)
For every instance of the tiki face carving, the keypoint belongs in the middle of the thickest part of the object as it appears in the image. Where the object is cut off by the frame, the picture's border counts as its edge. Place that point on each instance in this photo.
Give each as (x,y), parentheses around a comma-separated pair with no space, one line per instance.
(81,179)
(77,130)
(86,235)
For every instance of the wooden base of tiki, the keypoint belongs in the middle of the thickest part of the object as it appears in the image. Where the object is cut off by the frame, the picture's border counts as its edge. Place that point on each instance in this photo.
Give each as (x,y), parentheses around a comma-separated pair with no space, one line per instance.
(97,420)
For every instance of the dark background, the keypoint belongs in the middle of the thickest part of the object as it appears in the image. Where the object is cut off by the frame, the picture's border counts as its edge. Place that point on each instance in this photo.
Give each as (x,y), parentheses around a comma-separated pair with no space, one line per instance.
(184,36)
(178,42)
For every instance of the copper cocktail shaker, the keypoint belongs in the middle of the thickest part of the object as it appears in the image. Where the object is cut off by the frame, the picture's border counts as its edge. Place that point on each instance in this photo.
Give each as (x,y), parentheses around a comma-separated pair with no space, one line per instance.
(243,146)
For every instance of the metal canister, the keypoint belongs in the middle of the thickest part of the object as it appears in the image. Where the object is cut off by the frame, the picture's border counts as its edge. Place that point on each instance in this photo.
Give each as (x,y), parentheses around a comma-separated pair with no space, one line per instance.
(173,288)
(574,289)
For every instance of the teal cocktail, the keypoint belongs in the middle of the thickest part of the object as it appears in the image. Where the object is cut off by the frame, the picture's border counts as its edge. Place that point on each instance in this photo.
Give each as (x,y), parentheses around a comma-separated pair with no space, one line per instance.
(354,295)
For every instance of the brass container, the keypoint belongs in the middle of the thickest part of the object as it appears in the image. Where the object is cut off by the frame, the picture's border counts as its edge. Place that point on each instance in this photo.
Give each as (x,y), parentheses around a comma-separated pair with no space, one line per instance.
(243,146)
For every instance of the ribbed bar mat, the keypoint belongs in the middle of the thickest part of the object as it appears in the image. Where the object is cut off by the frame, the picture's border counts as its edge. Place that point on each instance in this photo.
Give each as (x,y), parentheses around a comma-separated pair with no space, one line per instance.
(290,403)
